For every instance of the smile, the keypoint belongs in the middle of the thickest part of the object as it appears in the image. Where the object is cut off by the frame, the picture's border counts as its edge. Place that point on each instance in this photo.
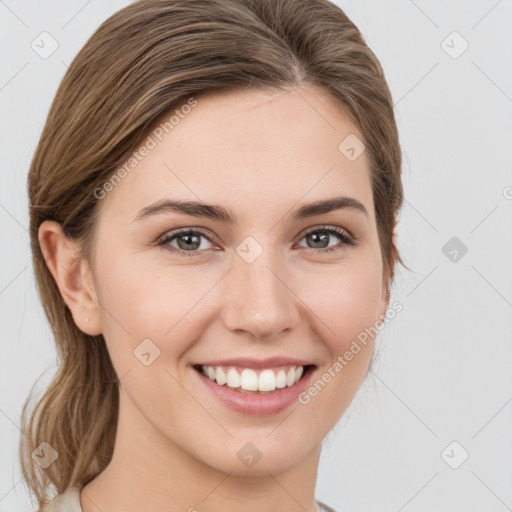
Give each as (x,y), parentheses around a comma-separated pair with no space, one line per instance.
(256,380)
(262,389)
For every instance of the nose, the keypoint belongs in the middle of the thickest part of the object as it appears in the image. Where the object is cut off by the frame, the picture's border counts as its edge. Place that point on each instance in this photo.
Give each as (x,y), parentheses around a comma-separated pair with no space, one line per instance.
(259,298)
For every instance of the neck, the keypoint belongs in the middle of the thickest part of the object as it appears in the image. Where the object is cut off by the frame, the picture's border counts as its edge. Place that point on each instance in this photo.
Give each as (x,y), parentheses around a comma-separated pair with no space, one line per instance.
(150,472)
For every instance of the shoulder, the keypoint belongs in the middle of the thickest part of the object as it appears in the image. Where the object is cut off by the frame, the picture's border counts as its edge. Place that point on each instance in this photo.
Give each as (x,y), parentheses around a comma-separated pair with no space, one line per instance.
(322,507)
(68,501)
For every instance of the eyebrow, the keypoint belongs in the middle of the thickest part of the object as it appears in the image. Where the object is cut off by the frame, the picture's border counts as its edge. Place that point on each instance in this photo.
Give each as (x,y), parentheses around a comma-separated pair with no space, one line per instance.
(215,212)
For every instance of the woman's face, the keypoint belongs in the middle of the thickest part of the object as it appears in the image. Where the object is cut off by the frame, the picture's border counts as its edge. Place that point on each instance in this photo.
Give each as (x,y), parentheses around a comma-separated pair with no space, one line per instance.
(269,283)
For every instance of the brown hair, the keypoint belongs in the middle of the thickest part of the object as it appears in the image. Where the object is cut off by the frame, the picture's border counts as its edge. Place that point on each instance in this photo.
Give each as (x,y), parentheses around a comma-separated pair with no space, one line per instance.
(146,59)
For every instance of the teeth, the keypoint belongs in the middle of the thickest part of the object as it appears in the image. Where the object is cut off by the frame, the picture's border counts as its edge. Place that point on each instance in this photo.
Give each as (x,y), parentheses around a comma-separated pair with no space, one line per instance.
(281,378)
(290,377)
(233,379)
(220,376)
(267,381)
(249,380)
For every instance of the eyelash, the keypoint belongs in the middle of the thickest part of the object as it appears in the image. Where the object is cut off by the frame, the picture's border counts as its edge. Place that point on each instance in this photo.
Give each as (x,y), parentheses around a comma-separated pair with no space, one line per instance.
(346,239)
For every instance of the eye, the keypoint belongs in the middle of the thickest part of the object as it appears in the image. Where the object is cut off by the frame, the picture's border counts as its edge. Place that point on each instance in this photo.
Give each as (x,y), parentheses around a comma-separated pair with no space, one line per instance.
(189,242)
(320,236)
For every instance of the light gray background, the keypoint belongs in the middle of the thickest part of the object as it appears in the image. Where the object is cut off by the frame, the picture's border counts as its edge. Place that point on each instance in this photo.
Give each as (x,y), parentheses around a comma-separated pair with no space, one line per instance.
(446,363)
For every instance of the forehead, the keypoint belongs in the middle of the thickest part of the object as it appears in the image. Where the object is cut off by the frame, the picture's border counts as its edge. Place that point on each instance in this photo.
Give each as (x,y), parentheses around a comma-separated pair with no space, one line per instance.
(254,151)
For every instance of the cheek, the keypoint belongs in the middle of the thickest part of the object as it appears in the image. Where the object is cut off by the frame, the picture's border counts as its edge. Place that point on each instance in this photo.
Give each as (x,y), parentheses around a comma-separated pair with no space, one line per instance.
(346,301)
(345,317)
(152,303)
(171,305)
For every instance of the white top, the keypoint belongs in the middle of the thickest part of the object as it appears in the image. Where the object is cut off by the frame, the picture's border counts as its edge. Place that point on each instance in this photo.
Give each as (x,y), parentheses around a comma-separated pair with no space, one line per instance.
(69,501)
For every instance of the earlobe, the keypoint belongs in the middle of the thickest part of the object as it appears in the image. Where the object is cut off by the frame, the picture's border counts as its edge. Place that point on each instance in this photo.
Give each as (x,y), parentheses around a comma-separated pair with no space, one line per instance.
(71,272)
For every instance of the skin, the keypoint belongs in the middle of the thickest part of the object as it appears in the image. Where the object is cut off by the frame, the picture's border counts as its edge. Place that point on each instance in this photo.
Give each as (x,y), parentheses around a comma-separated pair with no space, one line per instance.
(176,444)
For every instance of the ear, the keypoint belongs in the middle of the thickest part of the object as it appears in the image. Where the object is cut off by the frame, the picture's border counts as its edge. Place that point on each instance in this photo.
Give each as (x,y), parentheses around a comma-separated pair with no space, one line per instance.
(72,275)
(385,293)
(393,238)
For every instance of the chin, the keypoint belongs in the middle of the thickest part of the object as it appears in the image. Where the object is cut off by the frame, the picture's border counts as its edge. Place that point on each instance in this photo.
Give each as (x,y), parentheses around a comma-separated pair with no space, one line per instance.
(258,455)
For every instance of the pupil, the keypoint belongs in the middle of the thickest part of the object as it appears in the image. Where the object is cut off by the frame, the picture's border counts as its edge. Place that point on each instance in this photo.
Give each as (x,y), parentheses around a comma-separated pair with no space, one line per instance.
(187,244)
(316,236)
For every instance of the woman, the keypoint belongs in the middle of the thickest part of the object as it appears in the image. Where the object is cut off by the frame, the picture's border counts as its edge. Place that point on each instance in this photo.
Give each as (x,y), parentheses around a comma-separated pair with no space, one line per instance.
(212,206)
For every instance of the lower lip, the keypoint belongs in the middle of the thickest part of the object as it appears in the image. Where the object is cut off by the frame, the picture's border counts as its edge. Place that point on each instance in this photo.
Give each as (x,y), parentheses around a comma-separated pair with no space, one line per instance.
(252,403)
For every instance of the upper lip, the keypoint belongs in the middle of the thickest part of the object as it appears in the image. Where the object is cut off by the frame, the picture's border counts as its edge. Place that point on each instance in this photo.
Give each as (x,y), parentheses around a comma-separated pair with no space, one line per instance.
(247,362)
